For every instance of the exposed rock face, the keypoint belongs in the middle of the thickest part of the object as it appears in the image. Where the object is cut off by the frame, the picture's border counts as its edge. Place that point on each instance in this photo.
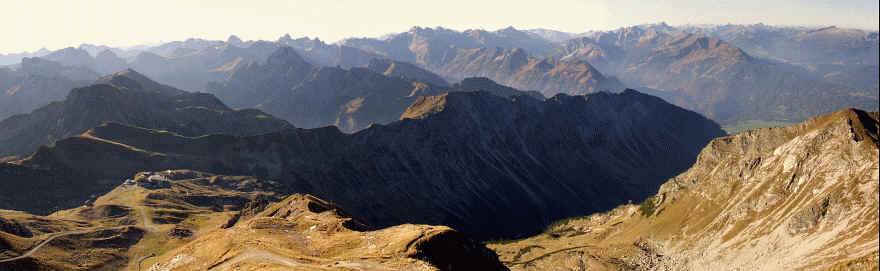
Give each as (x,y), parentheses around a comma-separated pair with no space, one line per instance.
(793,198)
(129,97)
(489,166)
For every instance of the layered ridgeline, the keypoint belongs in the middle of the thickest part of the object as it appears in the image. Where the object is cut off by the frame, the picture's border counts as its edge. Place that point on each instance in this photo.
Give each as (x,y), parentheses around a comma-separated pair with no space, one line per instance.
(309,96)
(508,56)
(36,82)
(198,221)
(486,165)
(129,97)
(794,198)
(689,67)
(738,75)
(713,77)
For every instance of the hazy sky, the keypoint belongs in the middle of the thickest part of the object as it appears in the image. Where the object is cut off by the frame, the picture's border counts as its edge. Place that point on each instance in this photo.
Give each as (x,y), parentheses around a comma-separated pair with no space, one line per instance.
(32,24)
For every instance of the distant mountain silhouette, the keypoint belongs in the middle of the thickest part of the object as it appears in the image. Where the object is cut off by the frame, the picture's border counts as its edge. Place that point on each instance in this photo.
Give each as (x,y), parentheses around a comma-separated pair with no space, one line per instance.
(37,83)
(129,97)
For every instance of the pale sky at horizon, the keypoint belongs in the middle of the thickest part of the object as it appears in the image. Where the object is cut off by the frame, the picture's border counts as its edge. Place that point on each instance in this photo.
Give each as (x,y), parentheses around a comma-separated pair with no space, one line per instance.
(34,24)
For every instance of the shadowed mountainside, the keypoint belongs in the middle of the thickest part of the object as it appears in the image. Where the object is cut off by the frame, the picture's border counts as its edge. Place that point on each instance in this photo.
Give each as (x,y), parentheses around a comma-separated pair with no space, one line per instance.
(487,165)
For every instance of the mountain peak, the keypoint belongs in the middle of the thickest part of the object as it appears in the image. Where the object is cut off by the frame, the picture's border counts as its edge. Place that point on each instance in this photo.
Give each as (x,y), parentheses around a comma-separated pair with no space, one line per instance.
(234,40)
(508,29)
(405,71)
(862,124)
(106,53)
(284,55)
(133,80)
(285,38)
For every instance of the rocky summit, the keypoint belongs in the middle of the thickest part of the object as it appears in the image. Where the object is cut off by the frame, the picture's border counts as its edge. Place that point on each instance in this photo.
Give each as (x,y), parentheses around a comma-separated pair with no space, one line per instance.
(487,165)
(794,198)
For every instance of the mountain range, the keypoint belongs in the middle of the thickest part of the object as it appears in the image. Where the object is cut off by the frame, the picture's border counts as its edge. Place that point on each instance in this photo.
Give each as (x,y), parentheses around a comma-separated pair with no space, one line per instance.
(734,74)
(129,97)
(37,83)
(310,96)
(436,149)
(446,155)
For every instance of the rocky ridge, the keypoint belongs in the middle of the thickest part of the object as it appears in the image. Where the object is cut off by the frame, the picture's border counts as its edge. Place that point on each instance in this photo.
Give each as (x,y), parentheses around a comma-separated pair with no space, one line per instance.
(796,198)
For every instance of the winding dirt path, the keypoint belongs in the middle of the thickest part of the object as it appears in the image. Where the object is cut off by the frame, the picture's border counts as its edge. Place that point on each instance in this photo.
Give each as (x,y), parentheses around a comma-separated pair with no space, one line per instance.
(56,235)
(146,221)
(263,255)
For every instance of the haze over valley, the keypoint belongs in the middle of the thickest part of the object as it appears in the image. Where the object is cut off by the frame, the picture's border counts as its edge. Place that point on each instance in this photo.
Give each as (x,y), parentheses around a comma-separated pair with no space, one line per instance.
(687,145)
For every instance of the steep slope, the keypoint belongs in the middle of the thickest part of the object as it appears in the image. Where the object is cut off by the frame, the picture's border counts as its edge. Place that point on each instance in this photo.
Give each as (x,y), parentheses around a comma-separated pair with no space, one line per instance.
(129,97)
(794,198)
(291,88)
(405,70)
(513,67)
(426,46)
(103,62)
(194,220)
(504,56)
(72,57)
(192,69)
(11,59)
(254,84)
(328,55)
(551,35)
(843,56)
(715,78)
(727,85)
(349,99)
(800,45)
(37,83)
(486,165)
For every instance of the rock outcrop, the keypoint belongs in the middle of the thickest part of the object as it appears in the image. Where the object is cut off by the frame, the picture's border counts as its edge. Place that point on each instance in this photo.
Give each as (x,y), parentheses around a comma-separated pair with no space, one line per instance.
(793,198)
